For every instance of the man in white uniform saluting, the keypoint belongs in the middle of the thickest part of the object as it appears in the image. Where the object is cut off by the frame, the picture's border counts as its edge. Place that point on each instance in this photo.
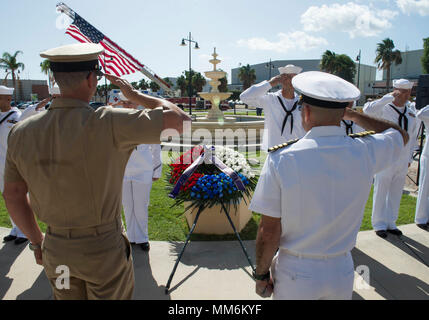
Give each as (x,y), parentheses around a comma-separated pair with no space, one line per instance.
(312,193)
(282,117)
(389,184)
(143,168)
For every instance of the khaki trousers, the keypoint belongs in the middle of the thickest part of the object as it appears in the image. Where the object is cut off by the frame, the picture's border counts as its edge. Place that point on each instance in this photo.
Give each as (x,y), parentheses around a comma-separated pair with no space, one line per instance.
(89,264)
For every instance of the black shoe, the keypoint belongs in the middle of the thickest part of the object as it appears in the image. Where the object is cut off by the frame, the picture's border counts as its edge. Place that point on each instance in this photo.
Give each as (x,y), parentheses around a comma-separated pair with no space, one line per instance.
(145,246)
(423,226)
(9,238)
(381,234)
(20,240)
(396,232)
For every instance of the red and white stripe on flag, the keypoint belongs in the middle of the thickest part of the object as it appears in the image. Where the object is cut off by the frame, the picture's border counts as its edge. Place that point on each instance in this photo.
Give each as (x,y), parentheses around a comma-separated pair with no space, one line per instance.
(115,60)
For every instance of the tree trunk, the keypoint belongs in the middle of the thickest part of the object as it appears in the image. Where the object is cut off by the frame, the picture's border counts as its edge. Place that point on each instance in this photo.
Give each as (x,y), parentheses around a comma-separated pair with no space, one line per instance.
(388,78)
(14,86)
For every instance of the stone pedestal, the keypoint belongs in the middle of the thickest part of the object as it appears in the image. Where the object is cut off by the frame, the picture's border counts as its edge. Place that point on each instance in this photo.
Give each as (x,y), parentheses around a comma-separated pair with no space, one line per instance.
(214,220)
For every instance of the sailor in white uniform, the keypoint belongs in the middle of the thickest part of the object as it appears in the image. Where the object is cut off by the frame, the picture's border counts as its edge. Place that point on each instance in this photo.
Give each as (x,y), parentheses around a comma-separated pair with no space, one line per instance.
(8,117)
(143,168)
(389,184)
(349,126)
(312,194)
(422,208)
(282,117)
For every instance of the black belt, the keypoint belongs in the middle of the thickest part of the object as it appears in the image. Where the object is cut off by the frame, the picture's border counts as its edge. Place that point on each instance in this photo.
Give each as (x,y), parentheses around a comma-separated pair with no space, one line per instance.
(349,127)
(288,113)
(403,120)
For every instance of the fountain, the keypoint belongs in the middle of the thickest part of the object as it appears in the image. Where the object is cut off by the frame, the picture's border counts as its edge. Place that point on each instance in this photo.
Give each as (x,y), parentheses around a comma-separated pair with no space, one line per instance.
(215,97)
(235,131)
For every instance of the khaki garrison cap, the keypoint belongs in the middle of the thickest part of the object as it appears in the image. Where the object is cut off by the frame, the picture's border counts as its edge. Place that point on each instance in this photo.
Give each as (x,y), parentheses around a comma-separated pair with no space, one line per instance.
(74,58)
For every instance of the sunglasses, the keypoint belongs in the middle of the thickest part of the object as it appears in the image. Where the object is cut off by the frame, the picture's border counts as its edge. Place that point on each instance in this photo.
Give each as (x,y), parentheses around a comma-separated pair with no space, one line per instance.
(98,74)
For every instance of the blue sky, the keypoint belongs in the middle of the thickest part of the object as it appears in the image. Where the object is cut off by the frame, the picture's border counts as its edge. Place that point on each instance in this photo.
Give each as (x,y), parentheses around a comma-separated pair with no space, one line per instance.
(244,31)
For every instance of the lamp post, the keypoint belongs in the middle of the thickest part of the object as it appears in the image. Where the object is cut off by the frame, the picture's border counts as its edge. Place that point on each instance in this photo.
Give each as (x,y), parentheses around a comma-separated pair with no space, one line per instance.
(183,44)
(358,58)
(270,66)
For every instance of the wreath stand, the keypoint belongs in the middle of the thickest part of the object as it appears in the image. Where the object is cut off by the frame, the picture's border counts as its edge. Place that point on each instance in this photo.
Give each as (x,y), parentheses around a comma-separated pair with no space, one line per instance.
(200,210)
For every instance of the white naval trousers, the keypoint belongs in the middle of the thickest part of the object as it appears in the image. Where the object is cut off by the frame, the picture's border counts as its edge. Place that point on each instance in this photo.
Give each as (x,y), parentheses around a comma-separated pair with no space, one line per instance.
(422,208)
(135,200)
(15,230)
(312,279)
(388,187)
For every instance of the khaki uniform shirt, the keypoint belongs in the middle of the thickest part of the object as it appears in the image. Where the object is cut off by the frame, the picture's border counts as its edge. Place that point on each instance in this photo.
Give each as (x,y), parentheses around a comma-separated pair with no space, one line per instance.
(73,159)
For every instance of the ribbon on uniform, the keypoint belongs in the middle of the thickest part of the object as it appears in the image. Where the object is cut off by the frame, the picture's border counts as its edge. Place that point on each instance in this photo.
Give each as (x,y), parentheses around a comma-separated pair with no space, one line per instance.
(208,156)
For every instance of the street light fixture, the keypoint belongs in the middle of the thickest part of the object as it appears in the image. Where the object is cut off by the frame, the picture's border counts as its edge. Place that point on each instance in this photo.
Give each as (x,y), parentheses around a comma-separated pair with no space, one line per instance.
(183,44)
(270,66)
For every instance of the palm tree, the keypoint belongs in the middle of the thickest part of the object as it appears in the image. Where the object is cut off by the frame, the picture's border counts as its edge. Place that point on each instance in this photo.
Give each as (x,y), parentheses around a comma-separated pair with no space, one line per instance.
(154,86)
(10,64)
(181,84)
(386,56)
(340,65)
(247,76)
(143,85)
(328,62)
(346,67)
(198,82)
(44,66)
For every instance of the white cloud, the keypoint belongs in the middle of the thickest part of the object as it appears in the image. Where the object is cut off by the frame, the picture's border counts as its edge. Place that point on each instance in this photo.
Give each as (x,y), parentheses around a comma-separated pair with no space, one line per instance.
(412,6)
(297,40)
(357,20)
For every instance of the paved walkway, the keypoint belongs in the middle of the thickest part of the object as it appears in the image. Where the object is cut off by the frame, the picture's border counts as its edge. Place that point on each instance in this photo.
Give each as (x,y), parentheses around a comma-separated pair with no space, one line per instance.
(398,269)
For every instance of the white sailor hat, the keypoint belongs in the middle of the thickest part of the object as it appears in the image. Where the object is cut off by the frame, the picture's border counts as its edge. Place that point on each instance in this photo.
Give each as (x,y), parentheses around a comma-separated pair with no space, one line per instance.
(402,84)
(5,91)
(54,90)
(325,90)
(290,69)
(78,57)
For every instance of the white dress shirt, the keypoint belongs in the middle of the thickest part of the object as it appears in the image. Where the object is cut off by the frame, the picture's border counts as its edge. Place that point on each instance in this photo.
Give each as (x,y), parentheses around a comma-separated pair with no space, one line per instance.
(319,187)
(258,96)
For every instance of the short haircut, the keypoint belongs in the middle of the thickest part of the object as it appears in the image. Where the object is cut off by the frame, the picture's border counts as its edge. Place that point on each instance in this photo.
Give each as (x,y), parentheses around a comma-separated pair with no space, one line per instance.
(70,80)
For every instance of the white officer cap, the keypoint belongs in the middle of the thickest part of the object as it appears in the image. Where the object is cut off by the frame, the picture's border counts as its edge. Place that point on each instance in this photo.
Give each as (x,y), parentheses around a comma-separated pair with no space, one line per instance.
(54,90)
(402,84)
(78,57)
(5,91)
(290,69)
(325,90)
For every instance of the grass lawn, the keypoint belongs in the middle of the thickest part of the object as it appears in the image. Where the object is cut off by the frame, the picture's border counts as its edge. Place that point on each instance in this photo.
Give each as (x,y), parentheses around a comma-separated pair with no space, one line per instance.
(169,224)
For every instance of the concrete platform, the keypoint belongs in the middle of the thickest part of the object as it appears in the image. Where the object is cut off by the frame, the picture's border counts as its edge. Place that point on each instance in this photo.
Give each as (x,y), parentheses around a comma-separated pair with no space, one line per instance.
(398,269)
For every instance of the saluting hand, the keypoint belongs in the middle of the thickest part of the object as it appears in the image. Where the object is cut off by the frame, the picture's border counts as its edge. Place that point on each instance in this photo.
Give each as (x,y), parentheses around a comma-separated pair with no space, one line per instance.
(126,88)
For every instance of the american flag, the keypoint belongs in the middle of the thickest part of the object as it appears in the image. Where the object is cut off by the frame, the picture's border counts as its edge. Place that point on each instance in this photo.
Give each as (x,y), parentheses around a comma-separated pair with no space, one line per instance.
(115,59)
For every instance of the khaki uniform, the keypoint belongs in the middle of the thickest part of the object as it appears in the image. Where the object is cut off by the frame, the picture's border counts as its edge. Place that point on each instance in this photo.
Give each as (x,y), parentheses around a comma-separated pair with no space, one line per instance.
(73,161)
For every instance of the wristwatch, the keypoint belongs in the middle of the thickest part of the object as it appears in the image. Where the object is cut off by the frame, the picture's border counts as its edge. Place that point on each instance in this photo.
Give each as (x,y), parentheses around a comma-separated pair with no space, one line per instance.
(262,277)
(34,247)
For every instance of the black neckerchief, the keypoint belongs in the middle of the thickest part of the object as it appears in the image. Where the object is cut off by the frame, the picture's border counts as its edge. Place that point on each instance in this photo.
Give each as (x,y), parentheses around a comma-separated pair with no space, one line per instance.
(349,127)
(7,116)
(402,117)
(288,113)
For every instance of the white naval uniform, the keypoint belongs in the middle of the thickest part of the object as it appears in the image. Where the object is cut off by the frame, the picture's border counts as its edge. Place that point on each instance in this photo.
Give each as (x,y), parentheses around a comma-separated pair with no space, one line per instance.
(320,201)
(389,184)
(258,96)
(422,208)
(4,133)
(144,164)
